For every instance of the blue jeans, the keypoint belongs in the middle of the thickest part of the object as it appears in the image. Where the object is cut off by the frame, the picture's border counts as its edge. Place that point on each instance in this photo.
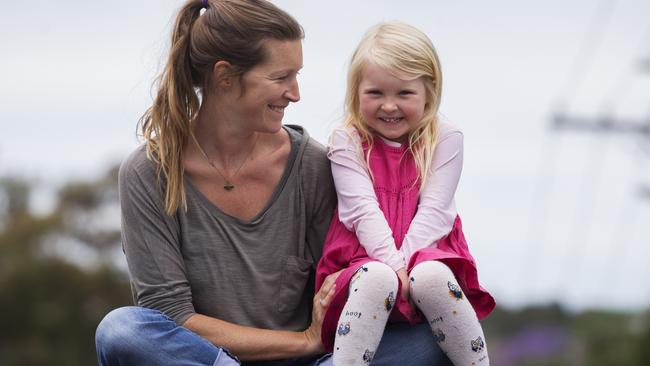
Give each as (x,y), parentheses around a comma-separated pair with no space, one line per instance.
(139,336)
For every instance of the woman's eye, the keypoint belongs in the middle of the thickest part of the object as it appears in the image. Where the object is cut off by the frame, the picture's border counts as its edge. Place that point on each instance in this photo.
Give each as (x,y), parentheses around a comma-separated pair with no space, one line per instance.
(287,76)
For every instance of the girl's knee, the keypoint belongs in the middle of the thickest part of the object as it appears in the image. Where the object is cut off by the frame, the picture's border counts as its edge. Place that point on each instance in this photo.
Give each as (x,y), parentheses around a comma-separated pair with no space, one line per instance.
(432,273)
(433,278)
(376,274)
(432,270)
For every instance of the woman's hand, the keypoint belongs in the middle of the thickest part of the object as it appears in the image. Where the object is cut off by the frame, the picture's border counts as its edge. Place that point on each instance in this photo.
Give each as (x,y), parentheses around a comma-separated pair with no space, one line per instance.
(322,301)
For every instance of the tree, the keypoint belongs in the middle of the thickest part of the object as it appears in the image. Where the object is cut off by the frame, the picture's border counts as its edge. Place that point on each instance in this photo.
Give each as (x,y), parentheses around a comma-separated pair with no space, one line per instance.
(50,306)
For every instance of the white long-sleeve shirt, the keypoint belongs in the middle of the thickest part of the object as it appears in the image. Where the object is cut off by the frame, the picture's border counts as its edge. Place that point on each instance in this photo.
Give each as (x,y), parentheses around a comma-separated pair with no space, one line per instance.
(359,209)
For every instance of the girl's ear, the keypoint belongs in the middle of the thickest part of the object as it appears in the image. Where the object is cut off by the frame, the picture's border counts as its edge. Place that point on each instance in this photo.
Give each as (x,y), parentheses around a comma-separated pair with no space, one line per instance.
(222,74)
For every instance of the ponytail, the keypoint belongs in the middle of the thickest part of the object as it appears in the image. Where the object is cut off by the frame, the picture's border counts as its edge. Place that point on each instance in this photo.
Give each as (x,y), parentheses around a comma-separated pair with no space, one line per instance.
(166,125)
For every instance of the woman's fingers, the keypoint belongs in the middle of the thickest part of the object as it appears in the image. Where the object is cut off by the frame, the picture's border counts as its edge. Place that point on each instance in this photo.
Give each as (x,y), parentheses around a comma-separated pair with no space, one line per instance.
(322,301)
(327,289)
(324,296)
(329,281)
(327,300)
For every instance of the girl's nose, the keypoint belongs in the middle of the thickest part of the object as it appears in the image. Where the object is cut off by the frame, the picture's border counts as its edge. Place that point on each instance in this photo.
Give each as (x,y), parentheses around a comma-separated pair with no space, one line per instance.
(388,107)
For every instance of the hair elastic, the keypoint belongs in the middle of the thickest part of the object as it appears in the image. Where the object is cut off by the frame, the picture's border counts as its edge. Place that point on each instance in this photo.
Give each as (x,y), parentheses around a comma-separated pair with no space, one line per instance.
(204,3)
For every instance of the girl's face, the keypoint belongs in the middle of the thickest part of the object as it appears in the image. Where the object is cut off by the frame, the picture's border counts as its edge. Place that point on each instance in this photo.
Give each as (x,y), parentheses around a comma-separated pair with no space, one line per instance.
(391,107)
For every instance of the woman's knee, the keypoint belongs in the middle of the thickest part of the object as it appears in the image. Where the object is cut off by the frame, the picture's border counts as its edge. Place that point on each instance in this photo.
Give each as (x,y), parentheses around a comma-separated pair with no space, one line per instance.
(141,336)
(119,330)
(113,327)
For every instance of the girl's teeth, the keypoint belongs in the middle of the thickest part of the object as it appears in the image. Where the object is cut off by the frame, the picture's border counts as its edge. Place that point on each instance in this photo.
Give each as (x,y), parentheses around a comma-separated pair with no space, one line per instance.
(391,120)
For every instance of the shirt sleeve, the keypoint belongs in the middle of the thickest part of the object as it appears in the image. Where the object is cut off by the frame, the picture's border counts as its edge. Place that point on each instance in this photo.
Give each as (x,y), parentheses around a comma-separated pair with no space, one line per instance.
(318,188)
(151,243)
(357,202)
(437,209)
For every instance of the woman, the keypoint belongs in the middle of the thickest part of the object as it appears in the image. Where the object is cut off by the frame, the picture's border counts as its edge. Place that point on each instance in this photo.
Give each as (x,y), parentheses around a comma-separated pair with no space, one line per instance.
(224,209)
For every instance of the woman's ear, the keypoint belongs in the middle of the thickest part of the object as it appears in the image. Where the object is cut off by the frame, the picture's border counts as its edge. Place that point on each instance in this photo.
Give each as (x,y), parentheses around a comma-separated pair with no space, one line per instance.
(222,74)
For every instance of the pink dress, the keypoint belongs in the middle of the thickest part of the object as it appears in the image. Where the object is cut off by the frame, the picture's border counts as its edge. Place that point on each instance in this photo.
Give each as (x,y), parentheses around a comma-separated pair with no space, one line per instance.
(396,185)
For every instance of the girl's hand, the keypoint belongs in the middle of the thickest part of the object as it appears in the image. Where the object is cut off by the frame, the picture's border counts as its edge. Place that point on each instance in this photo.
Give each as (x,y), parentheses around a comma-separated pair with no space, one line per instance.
(322,301)
(404,279)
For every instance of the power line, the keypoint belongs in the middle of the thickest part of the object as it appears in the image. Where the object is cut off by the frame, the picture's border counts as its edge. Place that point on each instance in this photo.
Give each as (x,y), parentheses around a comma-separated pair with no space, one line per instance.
(618,92)
(562,121)
(583,218)
(627,220)
(606,126)
(590,45)
(539,221)
(540,213)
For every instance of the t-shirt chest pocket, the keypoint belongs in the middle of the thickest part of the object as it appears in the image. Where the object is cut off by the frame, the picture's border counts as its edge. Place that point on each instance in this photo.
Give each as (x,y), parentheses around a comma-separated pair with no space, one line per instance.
(293,283)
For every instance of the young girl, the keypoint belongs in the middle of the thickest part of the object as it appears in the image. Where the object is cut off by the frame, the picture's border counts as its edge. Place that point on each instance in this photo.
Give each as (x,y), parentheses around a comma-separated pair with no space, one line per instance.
(396,235)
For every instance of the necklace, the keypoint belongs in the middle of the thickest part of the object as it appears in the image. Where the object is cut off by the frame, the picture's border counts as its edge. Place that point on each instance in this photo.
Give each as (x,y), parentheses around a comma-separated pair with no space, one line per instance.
(228,186)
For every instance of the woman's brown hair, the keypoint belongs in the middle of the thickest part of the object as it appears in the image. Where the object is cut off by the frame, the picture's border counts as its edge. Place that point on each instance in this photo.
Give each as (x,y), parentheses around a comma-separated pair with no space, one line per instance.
(230,30)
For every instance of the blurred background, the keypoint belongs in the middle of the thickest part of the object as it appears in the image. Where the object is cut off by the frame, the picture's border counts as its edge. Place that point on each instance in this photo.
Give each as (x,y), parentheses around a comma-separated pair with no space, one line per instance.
(553,98)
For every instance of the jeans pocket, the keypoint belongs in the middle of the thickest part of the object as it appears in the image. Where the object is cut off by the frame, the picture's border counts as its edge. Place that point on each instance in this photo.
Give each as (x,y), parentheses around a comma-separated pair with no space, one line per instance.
(294,283)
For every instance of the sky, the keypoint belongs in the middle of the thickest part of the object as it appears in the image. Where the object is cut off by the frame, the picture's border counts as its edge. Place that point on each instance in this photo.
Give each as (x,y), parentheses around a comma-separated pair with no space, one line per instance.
(551,215)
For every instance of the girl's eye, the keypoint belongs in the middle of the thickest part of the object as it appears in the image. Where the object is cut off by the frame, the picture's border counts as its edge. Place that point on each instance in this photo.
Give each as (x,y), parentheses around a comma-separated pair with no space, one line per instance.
(405,92)
(373,92)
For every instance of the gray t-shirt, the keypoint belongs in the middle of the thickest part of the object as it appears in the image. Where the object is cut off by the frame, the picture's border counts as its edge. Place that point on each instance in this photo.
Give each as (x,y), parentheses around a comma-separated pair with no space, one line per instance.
(258,273)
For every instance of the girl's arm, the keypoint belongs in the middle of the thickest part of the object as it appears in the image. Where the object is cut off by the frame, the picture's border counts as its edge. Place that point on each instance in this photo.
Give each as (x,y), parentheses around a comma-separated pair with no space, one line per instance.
(357,203)
(437,210)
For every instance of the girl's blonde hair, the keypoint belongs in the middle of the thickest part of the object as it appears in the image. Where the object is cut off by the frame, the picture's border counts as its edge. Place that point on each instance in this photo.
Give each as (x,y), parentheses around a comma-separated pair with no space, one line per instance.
(408,54)
(228,30)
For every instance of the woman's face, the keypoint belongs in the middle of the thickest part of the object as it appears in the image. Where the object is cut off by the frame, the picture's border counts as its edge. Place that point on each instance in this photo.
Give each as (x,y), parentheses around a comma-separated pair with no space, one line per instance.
(269,87)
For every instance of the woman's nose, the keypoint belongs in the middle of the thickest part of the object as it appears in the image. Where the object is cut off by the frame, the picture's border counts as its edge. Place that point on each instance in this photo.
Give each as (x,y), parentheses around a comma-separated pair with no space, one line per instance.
(293,93)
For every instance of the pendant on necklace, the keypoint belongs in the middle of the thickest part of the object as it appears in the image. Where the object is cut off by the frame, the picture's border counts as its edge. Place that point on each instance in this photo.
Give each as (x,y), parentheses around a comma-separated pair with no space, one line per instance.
(228,186)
